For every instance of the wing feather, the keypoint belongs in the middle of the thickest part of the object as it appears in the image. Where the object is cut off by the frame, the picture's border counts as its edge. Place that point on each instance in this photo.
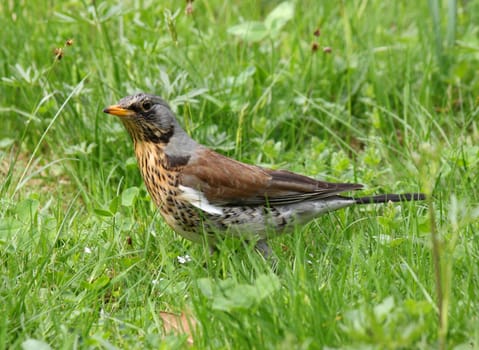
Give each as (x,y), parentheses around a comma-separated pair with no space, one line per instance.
(225,181)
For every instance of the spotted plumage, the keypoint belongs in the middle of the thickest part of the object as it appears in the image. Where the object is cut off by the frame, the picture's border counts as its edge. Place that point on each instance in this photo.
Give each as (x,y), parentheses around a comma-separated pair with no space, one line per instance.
(203,195)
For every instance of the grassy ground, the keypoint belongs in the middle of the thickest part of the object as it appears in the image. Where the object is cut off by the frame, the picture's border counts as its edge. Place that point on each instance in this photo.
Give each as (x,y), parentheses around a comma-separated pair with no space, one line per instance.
(386,95)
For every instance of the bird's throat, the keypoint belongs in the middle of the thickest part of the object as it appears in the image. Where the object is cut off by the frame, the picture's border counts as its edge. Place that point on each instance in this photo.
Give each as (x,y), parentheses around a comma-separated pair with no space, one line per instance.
(154,169)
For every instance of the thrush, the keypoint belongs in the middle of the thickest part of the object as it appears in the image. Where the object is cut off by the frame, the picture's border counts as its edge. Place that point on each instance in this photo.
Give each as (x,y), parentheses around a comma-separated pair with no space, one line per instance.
(203,194)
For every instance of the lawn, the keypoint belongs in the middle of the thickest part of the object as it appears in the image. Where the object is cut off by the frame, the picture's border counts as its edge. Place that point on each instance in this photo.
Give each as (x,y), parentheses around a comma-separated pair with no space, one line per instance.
(375,92)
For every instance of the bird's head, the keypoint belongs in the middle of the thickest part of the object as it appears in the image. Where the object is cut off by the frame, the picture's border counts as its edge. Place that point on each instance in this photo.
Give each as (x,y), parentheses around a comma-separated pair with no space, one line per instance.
(146,117)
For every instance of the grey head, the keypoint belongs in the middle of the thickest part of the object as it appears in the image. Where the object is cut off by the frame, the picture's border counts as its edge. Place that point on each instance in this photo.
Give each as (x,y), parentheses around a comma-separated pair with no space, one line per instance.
(148,118)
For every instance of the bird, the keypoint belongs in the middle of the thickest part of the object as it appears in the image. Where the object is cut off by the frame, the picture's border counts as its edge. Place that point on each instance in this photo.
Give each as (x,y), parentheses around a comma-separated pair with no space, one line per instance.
(205,196)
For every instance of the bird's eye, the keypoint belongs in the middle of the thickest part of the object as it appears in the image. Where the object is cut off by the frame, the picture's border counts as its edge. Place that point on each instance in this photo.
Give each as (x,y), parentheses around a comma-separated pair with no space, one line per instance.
(146,105)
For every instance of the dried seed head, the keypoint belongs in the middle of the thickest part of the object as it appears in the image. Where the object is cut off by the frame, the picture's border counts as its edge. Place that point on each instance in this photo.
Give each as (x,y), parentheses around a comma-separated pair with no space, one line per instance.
(69,42)
(327,49)
(314,47)
(59,53)
(189,7)
(317,32)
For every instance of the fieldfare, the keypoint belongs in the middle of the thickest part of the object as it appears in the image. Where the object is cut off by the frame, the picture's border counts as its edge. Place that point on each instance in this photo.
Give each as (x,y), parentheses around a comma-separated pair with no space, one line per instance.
(203,195)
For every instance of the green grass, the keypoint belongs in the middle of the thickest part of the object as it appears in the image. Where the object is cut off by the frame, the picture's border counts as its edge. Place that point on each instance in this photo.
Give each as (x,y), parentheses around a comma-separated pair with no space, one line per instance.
(87,262)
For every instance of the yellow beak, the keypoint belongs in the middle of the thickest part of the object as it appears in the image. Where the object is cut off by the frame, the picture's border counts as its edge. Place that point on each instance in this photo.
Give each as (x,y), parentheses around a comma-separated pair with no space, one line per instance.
(119,111)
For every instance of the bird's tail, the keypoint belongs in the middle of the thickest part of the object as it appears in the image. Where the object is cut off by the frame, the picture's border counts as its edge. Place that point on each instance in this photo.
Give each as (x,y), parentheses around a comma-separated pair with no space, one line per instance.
(384,198)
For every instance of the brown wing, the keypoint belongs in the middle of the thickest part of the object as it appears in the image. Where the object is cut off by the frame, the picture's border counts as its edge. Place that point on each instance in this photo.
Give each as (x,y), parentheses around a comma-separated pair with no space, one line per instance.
(225,181)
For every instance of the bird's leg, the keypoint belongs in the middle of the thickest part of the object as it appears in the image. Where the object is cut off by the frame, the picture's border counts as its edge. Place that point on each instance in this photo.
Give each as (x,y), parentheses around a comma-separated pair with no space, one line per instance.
(212,249)
(263,248)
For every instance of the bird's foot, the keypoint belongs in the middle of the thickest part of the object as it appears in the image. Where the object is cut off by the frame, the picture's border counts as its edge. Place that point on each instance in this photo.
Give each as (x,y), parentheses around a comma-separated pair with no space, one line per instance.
(264,249)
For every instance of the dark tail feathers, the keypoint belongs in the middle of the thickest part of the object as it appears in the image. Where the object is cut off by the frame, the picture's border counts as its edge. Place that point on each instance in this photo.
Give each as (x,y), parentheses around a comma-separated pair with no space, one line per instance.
(384,198)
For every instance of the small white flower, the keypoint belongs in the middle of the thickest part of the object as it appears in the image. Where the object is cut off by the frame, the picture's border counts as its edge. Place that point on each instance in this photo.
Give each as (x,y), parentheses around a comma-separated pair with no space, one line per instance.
(183,259)
(87,250)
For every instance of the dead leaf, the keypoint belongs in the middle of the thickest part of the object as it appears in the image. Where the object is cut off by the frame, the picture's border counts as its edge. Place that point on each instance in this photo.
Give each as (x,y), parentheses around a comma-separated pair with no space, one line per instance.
(179,324)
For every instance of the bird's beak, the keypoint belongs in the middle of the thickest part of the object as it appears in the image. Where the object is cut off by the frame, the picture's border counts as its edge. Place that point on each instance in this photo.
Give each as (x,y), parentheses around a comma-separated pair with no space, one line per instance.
(119,111)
